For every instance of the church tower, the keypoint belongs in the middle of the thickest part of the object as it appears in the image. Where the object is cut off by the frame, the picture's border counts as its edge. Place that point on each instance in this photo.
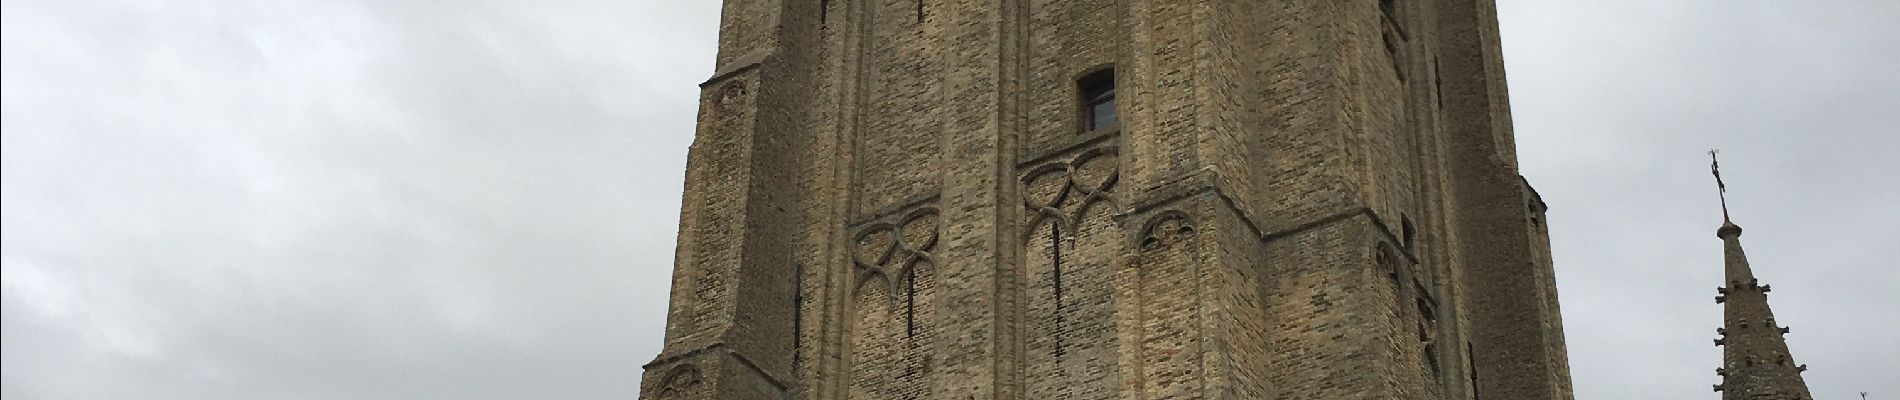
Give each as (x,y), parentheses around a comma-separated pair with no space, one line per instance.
(1755,360)
(1109,199)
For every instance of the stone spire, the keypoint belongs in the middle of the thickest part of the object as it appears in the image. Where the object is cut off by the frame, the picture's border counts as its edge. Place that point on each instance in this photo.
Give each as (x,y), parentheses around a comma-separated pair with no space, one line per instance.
(1755,360)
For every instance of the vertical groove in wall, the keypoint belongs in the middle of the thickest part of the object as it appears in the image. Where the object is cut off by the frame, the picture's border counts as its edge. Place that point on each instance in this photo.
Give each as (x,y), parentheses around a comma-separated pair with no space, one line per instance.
(1055,275)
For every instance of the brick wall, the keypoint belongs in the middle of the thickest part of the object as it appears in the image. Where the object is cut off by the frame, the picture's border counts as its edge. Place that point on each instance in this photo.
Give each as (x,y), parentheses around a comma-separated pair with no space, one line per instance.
(895,199)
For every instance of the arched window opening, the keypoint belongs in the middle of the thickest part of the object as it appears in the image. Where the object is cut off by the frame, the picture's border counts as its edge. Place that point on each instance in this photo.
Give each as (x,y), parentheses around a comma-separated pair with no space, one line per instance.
(1098,100)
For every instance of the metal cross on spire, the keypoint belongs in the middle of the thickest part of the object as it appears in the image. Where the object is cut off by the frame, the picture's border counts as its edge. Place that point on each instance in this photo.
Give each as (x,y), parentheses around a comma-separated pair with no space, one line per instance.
(1715,167)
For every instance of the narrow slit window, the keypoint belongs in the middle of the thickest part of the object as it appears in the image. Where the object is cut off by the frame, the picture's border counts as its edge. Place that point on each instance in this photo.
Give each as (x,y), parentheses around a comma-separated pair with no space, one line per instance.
(910,304)
(1055,278)
(1098,100)
(1409,232)
(1471,365)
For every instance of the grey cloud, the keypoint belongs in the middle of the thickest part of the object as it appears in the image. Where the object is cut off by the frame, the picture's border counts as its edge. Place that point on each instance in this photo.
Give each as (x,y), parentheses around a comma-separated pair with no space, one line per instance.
(341,200)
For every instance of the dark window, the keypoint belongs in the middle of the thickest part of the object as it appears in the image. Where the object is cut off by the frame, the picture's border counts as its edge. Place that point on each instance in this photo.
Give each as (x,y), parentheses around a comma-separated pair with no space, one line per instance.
(1471,364)
(1438,85)
(1055,278)
(910,304)
(798,313)
(1408,231)
(1098,100)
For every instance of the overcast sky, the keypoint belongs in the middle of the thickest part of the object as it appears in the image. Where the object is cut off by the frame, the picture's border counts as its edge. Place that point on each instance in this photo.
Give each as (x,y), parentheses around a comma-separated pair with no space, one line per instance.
(476,199)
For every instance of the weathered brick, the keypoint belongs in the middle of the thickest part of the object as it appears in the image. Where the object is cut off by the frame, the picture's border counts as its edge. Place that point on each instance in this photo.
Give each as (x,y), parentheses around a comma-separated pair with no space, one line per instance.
(901,199)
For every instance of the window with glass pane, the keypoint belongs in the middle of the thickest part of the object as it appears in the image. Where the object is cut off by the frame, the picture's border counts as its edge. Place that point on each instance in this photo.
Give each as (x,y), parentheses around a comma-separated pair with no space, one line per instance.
(1098,100)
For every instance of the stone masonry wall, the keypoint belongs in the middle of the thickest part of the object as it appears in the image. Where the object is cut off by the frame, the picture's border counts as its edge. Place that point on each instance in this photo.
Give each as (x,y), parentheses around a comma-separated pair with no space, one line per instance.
(900,140)
(896,199)
(1080,36)
(1070,254)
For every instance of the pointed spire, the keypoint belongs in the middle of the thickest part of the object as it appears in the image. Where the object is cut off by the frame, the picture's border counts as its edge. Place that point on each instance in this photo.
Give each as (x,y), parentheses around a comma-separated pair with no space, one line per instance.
(1755,358)
(1734,260)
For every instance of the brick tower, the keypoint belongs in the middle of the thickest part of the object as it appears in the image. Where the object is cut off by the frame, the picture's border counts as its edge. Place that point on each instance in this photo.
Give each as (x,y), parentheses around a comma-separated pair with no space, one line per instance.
(1756,364)
(1109,199)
